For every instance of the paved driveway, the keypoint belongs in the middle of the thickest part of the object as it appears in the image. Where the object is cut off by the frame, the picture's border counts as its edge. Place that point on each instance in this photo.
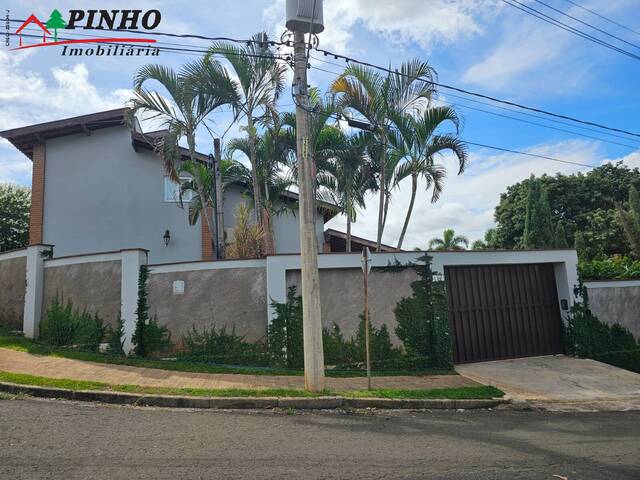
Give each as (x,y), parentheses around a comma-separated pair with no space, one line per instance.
(560,383)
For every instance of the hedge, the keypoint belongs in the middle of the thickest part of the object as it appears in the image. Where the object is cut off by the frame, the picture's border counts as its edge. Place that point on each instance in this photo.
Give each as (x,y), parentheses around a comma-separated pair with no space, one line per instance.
(627,359)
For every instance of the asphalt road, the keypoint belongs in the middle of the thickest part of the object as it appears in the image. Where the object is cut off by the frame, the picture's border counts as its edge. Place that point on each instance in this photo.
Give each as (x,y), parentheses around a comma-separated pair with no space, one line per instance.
(55,439)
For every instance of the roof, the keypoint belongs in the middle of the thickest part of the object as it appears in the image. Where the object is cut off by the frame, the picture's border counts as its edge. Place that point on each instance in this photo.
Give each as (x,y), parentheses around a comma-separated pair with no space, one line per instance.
(33,19)
(24,138)
(330,232)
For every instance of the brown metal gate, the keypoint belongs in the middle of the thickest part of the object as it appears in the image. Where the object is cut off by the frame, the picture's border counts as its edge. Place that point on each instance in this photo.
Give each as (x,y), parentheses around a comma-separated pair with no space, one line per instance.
(503,311)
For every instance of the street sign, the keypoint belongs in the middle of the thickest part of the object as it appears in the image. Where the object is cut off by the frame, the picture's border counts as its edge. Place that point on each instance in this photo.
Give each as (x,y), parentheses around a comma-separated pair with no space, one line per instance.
(366,259)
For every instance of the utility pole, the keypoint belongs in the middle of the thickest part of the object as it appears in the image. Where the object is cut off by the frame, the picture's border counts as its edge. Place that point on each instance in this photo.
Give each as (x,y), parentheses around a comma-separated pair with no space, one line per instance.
(311,316)
(219,206)
(366,268)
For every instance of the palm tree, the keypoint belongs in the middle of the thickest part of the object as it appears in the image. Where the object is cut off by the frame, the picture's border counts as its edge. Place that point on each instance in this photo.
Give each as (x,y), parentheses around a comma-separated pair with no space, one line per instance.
(260,81)
(351,177)
(417,143)
(271,153)
(187,109)
(379,99)
(449,241)
(188,105)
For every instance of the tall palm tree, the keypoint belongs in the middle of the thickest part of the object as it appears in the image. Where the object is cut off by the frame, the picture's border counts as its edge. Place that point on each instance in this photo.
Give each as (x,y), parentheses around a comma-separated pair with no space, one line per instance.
(185,110)
(449,241)
(187,106)
(260,81)
(379,99)
(271,154)
(418,144)
(351,175)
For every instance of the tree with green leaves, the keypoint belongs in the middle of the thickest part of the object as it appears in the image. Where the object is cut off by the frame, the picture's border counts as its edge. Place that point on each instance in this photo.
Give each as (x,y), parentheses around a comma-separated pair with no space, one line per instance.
(418,146)
(449,241)
(260,81)
(380,99)
(185,110)
(15,203)
(630,221)
(559,236)
(538,227)
(55,21)
(585,202)
(489,242)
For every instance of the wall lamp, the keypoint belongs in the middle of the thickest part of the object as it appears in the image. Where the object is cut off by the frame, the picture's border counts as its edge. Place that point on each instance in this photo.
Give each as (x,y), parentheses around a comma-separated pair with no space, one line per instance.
(167,238)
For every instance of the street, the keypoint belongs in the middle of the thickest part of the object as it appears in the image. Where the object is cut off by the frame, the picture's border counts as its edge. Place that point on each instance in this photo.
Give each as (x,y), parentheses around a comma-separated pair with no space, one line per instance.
(56,439)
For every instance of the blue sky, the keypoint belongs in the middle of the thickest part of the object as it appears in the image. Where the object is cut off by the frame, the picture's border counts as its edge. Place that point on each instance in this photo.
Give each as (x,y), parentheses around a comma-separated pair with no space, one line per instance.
(480,45)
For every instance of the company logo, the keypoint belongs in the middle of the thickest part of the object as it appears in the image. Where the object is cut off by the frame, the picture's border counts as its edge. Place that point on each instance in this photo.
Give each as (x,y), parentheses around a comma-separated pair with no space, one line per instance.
(51,32)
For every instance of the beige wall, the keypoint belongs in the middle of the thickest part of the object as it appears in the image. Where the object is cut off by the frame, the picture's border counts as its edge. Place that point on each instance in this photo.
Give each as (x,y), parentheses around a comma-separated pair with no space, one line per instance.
(233,297)
(342,297)
(12,287)
(617,305)
(94,286)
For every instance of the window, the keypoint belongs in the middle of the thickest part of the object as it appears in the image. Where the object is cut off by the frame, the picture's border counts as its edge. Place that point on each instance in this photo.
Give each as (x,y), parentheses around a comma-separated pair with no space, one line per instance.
(172,190)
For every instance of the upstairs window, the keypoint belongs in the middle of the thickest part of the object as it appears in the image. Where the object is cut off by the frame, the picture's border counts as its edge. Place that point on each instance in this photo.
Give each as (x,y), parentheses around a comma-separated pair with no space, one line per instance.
(172,190)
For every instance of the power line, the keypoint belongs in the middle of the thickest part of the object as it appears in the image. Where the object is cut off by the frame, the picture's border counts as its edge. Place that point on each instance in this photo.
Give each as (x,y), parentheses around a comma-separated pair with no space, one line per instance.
(557,23)
(477,94)
(602,16)
(518,112)
(508,150)
(586,24)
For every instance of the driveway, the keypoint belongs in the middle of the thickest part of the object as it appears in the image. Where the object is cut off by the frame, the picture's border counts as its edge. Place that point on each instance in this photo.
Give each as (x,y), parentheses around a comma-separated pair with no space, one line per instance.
(560,383)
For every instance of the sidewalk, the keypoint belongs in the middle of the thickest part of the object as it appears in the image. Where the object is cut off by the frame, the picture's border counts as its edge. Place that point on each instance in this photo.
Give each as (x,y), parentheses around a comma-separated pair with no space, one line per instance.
(54,367)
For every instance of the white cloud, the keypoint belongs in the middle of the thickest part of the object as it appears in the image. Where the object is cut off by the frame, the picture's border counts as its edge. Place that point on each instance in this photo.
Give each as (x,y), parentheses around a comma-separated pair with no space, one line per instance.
(401,21)
(631,160)
(469,200)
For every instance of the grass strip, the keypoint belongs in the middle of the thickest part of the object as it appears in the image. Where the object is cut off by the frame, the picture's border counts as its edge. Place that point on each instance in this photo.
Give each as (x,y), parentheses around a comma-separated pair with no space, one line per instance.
(482,392)
(22,344)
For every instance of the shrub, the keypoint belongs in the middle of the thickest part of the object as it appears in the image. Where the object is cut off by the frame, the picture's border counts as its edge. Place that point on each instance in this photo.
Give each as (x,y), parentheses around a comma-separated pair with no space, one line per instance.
(422,319)
(248,236)
(219,346)
(586,336)
(612,268)
(115,338)
(285,332)
(149,336)
(63,325)
(627,359)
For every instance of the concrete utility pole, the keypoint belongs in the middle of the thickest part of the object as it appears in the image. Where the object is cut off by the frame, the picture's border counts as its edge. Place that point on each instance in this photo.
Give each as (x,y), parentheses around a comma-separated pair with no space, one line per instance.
(219,205)
(311,316)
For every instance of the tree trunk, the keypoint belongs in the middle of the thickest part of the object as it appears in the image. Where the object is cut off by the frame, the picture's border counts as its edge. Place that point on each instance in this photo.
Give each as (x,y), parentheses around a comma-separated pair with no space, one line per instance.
(383,162)
(254,168)
(414,188)
(219,211)
(348,249)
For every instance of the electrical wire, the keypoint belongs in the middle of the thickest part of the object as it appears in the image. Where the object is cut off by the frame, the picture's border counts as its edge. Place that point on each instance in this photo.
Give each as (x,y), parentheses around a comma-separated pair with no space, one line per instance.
(550,7)
(557,23)
(602,17)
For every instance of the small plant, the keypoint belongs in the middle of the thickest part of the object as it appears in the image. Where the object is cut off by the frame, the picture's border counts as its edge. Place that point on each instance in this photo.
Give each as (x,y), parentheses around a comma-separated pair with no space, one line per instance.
(285,332)
(115,338)
(63,325)
(220,346)
(149,336)
(248,237)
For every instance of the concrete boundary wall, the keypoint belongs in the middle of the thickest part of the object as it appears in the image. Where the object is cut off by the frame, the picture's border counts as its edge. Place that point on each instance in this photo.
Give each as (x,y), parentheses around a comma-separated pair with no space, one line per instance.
(13,278)
(616,301)
(240,292)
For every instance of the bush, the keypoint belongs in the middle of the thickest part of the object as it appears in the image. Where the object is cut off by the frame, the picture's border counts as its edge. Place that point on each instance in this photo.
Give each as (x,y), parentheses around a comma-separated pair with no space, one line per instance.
(627,359)
(613,268)
(218,346)
(422,320)
(114,337)
(285,332)
(586,336)
(149,336)
(63,325)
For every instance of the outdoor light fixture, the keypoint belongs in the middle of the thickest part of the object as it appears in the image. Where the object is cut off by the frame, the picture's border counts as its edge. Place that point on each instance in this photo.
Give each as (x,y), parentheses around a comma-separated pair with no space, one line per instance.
(166,237)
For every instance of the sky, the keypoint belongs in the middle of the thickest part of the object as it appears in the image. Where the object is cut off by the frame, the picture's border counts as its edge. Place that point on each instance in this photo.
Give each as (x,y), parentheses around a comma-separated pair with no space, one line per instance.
(483,46)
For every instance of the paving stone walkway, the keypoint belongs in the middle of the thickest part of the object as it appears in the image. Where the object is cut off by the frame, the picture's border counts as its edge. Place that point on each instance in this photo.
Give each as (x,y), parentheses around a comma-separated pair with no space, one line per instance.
(54,367)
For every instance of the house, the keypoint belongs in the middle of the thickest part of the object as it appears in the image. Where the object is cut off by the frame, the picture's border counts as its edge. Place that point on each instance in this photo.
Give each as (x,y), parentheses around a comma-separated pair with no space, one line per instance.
(336,241)
(99,186)
(29,21)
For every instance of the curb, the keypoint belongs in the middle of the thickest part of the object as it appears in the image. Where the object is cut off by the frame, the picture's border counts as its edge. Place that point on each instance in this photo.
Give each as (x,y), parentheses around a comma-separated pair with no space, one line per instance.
(300,403)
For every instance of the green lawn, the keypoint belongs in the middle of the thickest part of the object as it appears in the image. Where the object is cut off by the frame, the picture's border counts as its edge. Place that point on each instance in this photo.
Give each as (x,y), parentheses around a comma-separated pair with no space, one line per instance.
(20,343)
(483,392)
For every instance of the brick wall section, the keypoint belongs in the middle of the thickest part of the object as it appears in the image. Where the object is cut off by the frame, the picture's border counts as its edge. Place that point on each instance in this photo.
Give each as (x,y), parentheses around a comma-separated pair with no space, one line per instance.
(207,243)
(37,194)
